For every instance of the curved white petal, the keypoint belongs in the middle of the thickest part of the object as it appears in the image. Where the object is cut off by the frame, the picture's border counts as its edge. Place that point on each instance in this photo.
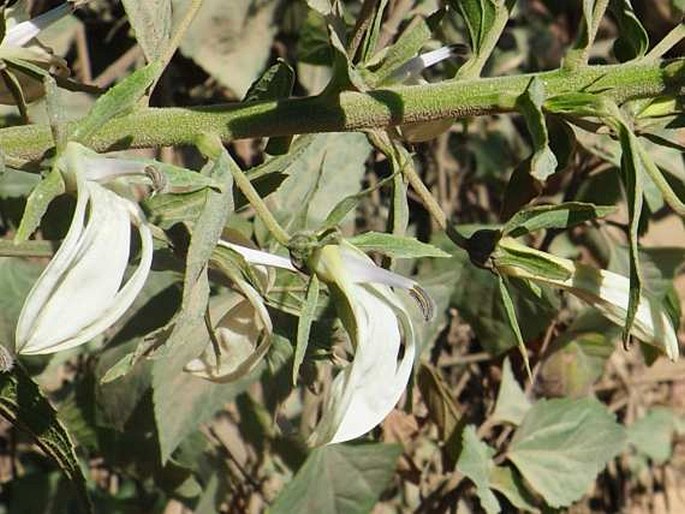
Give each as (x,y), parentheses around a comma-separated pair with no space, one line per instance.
(259,257)
(85,296)
(361,269)
(365,392)
(44,287)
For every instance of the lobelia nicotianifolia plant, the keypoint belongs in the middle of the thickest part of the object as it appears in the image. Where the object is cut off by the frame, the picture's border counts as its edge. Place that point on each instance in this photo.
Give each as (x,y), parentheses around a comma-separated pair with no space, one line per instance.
(267,316)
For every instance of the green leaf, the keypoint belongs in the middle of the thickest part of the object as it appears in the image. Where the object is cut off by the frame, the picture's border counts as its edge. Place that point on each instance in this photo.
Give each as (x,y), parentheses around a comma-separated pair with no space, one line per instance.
(633,174)
(118,101)
(593,12)
(510,311)
(545,217)
(512,403)
(274,84)
(562,445)
(16,183)
(632,41)
(37,204)
(487,316)
(543,162)
(652,435)
(22,403)
(304,324)
(398,247)
(17,276)
(478,16)
(475,462)
(507,481)
(184,338)
(349,480)
(151,21)
(534,262)
(328,169)
(576,361)
(407,46)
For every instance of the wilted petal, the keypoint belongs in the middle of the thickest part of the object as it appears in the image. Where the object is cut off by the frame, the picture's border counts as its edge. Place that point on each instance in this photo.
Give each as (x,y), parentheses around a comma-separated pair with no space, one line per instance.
(365,392)
(242,337)
(79,294)
(607,292)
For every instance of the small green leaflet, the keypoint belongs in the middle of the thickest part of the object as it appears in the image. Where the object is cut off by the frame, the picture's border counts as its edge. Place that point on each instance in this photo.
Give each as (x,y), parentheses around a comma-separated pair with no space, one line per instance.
(476,463)
(22,403)
(544,217)
(513,322)
(512,403)
(398,247)
(632,41)
(37,204)
(304,324)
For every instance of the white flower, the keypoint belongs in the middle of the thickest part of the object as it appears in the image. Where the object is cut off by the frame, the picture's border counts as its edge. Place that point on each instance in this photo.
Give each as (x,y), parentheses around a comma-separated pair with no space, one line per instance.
(605,291)
(366,390)
(82,290)
(20,44)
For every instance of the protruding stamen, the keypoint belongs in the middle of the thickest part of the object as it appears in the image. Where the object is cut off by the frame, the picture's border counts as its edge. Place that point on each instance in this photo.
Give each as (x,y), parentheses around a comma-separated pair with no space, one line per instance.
(424,301)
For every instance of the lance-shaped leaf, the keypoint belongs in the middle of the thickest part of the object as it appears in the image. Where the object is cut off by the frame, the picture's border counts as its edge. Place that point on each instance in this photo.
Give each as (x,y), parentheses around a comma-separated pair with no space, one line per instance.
(475,461)
(593,12)
(559,216)
(632,41)
(22,403)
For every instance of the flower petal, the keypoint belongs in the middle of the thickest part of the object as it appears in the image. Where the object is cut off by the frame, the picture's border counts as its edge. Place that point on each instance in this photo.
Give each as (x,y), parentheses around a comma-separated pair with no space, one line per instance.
(362,269)
(608,293)
(243,337)
(84,297)
(23,32)
(259,257)
(365,392)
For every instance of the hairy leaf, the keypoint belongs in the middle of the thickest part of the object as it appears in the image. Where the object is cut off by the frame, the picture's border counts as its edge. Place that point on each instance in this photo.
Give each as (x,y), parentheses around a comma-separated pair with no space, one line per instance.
(563,444)
(349,479)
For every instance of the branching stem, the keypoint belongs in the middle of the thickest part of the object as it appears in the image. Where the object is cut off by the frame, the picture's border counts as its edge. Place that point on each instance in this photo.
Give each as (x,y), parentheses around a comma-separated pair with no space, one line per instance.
(354,111)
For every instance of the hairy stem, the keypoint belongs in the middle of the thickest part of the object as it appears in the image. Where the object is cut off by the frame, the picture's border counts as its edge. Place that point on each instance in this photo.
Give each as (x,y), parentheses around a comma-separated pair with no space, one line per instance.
(352,110)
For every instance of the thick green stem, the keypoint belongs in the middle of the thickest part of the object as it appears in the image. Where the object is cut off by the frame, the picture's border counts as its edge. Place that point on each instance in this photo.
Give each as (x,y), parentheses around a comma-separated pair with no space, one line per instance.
(353,111)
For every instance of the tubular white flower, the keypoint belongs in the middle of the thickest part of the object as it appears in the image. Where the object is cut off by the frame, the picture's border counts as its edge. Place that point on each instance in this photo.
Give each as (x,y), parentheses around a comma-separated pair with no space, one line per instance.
(80,293)
(365,392)
(608,293)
